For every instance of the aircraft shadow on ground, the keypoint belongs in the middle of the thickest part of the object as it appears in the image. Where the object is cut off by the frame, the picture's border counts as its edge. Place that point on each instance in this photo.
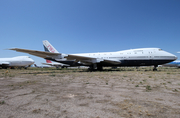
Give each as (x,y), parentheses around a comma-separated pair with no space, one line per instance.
(56,71)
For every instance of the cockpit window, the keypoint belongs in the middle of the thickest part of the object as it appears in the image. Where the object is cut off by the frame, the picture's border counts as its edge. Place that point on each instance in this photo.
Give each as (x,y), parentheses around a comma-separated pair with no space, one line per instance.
(160,49)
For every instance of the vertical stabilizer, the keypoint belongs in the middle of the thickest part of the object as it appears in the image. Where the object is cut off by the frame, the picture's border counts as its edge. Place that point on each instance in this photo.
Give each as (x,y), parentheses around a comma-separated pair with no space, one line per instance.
(48,47)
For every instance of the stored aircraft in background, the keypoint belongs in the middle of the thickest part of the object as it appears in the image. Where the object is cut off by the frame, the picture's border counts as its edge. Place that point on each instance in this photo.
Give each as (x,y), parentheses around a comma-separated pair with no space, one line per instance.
(173,64)
(42,66)
(19,61)
(57,65)
(132,57)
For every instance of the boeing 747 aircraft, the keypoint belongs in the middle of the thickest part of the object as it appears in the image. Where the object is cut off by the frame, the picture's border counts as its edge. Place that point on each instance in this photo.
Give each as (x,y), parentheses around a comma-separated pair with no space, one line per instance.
(132,57)
(20,61)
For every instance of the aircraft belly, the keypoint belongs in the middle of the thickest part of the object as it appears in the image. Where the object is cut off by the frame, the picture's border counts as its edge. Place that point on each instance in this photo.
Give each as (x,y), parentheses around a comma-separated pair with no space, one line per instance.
(136,63)
(143,62)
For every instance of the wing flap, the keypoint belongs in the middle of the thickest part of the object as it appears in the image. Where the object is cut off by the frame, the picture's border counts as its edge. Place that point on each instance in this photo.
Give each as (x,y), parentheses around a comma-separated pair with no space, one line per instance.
(71,56)
(92,60)
(115,62)
(83,59)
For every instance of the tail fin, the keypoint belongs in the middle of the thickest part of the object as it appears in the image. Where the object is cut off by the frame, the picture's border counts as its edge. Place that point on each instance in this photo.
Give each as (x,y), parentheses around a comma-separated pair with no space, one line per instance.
(48,47)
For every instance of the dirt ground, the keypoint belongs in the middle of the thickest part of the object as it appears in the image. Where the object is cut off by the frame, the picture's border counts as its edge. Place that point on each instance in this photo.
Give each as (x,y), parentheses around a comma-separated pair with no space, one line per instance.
(77,93)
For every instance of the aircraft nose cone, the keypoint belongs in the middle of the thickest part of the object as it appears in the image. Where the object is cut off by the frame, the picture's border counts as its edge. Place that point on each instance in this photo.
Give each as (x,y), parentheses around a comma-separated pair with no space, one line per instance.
(32,61)
(175,57)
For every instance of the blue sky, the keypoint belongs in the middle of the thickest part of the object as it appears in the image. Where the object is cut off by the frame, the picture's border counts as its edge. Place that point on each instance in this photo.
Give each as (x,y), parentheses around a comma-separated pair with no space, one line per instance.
(80,26)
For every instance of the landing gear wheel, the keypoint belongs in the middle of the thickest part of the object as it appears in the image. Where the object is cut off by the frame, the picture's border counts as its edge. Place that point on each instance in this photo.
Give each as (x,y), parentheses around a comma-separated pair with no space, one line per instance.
(155,68)
(100,68)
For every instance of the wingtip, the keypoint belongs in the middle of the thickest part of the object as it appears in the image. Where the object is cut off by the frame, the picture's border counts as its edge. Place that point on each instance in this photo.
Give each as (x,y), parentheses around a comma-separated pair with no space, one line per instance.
(9,48)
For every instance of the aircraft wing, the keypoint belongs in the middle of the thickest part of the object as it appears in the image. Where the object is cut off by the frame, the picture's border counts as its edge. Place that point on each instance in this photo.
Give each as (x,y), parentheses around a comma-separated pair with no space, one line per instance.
(91,60)
(41,54)
(76,58)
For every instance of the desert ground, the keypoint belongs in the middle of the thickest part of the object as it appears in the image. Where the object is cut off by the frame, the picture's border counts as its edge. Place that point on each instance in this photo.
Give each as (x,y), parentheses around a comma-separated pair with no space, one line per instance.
(77,93)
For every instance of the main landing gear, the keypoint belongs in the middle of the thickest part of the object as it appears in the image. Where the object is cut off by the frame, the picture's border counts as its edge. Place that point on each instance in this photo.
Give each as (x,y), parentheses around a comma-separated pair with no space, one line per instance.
(100,68)
(95,67)
(155,68)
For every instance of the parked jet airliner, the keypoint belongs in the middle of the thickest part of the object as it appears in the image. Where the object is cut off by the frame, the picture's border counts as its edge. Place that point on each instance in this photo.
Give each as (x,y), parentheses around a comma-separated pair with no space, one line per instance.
(173,64)
(19,61)
(132,57)
(57,65)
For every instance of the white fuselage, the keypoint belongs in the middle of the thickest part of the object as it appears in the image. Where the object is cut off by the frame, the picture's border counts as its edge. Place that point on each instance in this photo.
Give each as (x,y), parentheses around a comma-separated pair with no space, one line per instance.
(20,61)
(141,53)
(133,57)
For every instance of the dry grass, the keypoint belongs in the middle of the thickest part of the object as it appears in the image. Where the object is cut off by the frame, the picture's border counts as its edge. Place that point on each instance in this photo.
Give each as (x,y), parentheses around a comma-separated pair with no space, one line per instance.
(72,93)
